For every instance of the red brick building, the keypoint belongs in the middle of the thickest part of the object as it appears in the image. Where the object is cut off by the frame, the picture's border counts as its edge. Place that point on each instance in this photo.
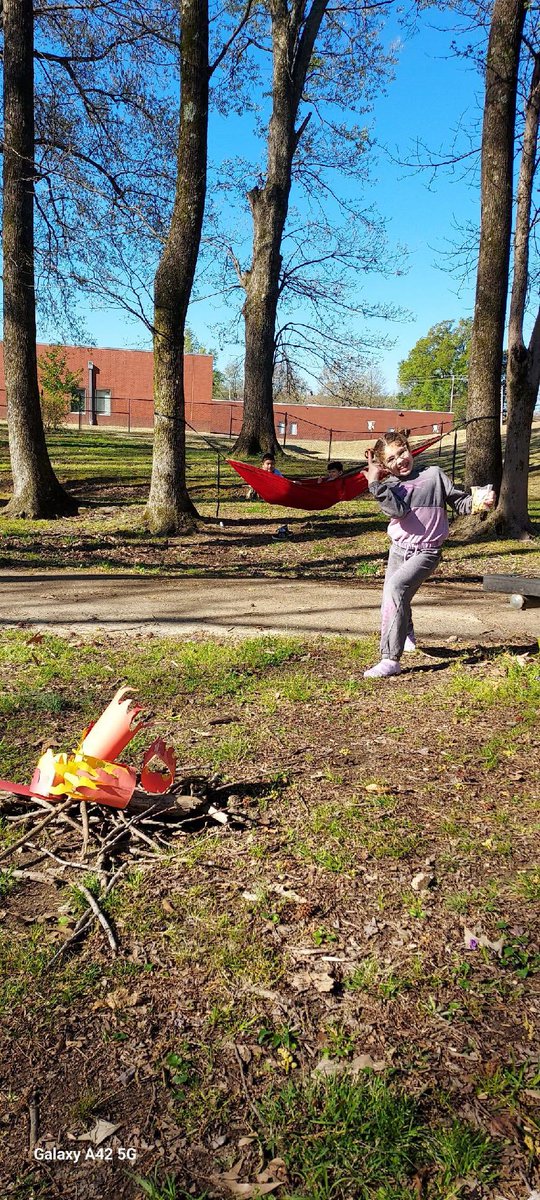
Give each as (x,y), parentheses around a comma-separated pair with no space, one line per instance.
(321,423)
(116,385)
(116,391)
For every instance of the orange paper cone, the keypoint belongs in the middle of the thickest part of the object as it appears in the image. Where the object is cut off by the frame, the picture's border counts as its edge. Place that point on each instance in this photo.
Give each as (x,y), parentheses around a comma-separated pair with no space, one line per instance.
(114,728)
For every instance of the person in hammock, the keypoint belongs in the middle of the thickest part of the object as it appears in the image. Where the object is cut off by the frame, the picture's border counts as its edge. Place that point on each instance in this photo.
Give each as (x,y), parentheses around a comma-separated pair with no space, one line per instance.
(268,463)
(415,500)
(333,471)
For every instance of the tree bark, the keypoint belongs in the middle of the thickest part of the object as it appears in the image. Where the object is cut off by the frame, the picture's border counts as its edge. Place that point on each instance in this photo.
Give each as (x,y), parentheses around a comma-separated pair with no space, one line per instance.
(36,490)
(169,506)
(484,454)
(292,47)
(523,369)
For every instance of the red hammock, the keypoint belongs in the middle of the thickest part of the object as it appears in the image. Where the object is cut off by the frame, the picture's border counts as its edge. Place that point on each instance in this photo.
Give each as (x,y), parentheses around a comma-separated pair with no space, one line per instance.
(312,494)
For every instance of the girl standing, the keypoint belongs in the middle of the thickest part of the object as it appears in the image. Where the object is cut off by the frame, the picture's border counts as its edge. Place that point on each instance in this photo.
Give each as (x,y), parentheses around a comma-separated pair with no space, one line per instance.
(416,501)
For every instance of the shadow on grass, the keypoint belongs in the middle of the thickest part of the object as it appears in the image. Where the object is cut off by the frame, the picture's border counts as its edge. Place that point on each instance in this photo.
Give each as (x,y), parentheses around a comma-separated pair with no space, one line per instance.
(446,655)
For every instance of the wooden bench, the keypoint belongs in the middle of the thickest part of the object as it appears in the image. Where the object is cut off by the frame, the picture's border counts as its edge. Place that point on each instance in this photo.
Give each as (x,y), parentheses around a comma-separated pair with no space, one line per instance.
(523,591)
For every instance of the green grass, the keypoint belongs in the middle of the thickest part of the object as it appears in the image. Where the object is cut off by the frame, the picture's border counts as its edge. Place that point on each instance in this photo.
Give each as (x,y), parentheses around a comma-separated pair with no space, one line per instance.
(164,1187)
(507,1081)
(461,1152)
(365,1138)
(527,884)
(23,960)
(60,687)
(109,473)
(7,882)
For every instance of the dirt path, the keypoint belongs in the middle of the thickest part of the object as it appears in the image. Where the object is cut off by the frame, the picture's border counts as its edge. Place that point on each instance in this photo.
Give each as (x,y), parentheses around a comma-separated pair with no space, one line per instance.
(60,601)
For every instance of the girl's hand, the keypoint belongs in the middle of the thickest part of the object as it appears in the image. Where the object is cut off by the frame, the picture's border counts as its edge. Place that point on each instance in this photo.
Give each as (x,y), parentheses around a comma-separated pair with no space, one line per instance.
(374,469)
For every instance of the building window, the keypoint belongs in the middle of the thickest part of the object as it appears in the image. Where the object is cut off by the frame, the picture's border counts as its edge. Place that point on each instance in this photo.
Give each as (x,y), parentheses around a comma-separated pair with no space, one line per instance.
(371,426)
(78,402)
(293,428)
(103,402)
(281,427)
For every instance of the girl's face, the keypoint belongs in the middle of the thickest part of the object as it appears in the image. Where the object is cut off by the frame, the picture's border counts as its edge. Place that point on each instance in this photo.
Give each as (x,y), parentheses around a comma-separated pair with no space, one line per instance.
(398,459)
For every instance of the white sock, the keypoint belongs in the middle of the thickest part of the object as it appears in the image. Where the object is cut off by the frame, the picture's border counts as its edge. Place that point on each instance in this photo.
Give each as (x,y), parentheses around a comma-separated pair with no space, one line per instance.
(410,644)
(386,667)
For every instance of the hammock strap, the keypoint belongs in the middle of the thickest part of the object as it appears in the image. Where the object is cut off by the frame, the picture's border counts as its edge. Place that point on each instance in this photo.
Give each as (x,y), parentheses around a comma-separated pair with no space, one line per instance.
(454,456)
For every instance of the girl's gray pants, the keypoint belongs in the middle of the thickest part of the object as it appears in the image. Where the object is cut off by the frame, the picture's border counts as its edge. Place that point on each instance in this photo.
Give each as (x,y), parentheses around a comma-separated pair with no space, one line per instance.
(406,571)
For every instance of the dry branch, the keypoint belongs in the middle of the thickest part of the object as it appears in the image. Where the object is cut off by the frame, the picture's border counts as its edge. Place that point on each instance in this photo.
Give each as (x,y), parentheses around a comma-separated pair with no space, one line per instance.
(37,829)
(101,918)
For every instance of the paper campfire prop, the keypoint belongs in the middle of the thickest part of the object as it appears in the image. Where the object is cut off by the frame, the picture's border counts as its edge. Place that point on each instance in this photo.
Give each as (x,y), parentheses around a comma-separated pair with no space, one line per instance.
(91,771)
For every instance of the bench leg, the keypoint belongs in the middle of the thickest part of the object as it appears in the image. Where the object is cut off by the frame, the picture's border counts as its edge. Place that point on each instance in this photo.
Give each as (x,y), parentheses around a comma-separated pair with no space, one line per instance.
(519,601)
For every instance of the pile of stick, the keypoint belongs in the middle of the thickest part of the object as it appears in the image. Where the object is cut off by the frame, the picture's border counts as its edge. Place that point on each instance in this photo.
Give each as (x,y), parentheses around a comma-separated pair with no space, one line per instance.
(77,836)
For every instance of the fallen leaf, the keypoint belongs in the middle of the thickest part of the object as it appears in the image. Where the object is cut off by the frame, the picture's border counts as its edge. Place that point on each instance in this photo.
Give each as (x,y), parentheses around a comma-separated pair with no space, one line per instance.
(421,881)
(328,1067)
(287,893)
(473,940)
(364,1062)
(321,981)
(277,1164)
(247,1189)
(101,1131)
(122,998)
(233,1172)
(502,1125)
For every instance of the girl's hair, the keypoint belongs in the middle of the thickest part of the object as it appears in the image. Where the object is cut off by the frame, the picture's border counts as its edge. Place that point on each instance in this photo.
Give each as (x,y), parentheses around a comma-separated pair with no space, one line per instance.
(395,437)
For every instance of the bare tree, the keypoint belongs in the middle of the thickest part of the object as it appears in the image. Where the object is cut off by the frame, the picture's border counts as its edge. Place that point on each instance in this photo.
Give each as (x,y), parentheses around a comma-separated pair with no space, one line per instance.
(523,366)
(36,490)
(104,148)
(293,38)
(365,388)
(484,454)
(169,506)
(299,77)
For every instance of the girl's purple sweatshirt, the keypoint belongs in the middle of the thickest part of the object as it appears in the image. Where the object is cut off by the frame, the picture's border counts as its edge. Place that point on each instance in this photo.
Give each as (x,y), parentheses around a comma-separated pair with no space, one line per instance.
(417,506)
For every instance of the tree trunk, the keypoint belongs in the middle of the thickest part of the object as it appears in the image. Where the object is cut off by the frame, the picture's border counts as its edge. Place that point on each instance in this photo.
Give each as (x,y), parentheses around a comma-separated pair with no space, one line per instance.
(292,48)
(36,490)
(169,506)
(522,379)
(269,209)
(484,456)
(523,370)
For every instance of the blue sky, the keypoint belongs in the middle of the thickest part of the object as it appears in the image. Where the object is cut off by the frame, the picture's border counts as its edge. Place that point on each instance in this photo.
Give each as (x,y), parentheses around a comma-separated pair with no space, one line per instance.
(431,94)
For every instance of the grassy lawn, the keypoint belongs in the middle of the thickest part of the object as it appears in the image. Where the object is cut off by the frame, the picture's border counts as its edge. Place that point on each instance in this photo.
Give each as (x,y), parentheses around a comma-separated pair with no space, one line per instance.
(109,473)
(334,996)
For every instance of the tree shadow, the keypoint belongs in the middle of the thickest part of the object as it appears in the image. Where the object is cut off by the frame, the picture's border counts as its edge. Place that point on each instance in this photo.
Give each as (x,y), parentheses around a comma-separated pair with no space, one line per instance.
(446,655)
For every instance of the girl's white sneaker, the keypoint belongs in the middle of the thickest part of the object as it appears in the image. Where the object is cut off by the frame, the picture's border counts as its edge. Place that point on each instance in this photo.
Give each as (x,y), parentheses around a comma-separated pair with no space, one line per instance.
(383,669)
